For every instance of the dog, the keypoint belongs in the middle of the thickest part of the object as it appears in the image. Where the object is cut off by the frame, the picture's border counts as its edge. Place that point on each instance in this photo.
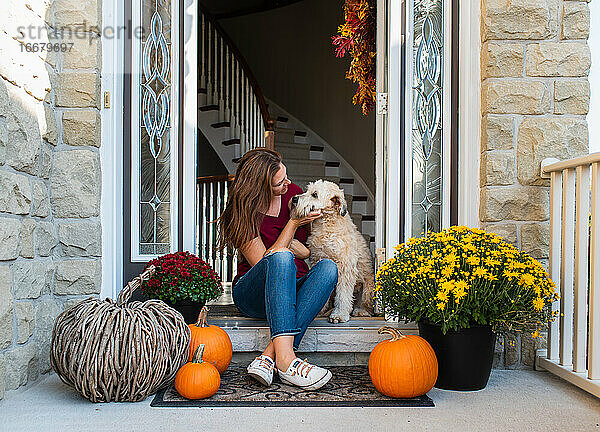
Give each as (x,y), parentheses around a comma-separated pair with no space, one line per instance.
(335,236)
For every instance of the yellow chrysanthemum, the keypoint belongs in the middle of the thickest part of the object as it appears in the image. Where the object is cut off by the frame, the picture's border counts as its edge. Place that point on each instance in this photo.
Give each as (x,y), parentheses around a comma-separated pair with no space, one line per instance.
(538,303)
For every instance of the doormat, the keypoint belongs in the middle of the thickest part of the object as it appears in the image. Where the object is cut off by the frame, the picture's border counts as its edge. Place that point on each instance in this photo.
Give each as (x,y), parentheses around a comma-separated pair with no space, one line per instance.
(349,386)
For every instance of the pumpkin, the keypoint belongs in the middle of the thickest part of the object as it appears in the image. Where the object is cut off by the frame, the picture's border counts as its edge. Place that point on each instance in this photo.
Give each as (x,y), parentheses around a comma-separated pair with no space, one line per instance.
(217,345)
(404,366)
(197,379)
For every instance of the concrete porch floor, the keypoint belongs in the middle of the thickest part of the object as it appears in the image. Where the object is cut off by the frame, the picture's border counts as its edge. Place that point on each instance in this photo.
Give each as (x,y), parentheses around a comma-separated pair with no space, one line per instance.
(519,400)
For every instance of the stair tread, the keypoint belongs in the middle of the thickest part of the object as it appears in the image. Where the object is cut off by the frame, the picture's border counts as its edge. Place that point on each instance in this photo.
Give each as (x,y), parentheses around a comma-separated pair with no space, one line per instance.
(332,163)
(220,124)
(368,217)
(231,141)
(316,148)
(360,198)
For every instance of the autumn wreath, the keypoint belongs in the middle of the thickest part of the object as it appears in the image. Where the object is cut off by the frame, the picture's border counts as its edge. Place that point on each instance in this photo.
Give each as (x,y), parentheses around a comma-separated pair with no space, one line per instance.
(357,38)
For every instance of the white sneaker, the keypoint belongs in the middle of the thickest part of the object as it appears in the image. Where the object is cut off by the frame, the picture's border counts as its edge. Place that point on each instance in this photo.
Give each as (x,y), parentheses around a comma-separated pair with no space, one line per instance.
(305,375)
(261,369)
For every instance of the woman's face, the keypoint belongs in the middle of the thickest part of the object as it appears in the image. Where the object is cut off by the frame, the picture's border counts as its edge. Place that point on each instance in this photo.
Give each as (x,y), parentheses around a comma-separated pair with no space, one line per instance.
(280,182)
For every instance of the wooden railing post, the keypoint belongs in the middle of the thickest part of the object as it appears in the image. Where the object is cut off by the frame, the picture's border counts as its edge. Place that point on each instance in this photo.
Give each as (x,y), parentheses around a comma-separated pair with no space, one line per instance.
(594,302)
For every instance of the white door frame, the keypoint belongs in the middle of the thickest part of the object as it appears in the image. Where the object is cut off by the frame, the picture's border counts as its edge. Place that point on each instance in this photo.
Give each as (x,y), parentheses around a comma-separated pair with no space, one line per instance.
(190,122)
(111,149)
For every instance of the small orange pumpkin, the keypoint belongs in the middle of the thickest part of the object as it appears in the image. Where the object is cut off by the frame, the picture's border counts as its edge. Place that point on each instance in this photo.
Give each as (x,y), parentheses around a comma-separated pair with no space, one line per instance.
(218,349)
(197,379)
(404,366)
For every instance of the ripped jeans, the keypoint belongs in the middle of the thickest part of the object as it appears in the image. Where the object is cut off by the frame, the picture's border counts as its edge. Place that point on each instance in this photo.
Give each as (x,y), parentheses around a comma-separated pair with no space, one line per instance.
(271,290)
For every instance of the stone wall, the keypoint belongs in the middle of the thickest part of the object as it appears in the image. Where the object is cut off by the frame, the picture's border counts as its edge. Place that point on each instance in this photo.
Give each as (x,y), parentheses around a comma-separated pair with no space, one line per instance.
(535,97)
(50,234)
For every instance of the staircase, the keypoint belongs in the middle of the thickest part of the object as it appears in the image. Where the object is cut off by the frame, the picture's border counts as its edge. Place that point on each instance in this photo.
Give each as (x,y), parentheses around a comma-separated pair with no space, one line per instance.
(235,117)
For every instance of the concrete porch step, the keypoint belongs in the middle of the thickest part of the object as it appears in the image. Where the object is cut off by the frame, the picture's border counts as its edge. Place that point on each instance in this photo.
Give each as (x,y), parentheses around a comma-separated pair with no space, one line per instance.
(359,335)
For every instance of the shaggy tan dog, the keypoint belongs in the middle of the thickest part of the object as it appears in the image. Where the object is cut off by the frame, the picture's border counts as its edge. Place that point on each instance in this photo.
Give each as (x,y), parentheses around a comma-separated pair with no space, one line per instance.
(335,236)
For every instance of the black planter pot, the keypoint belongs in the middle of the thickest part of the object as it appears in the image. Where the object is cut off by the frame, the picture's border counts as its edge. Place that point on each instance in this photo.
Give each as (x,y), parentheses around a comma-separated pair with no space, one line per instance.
(464,357)
(189,309)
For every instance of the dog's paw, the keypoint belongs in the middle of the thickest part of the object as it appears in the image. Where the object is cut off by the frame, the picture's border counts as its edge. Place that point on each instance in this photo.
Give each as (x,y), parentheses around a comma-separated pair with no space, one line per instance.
(361,312)
(338,317)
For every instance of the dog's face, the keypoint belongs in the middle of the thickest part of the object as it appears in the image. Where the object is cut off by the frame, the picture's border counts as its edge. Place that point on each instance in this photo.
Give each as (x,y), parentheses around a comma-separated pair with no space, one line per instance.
(320,195)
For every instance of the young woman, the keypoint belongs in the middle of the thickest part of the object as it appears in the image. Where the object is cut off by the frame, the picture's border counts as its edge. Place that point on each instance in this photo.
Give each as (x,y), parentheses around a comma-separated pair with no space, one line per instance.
(273,281)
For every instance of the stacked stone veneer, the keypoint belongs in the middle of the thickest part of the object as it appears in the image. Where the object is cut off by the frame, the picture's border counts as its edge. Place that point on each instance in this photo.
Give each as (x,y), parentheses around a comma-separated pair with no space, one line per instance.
(535,97)
(50,234)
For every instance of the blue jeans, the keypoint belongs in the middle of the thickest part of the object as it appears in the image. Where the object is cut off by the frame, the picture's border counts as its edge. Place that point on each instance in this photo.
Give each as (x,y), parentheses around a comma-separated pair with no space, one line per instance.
(271,290)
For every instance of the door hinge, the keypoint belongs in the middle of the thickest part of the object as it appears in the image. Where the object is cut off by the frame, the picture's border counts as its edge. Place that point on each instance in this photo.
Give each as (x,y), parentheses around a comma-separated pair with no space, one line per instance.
(107,99)
(382,103)
(380,256)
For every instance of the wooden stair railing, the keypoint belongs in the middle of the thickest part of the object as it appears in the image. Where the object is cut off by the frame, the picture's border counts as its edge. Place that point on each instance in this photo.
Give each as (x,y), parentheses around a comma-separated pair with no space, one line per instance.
(229,83)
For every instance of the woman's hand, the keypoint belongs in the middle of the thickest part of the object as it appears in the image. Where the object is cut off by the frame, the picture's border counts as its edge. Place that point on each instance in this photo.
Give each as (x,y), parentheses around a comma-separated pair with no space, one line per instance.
(314,215)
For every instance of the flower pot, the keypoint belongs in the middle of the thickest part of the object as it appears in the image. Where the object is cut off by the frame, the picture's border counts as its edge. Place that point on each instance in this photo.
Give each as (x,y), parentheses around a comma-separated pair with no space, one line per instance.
(464,357)
(188,308)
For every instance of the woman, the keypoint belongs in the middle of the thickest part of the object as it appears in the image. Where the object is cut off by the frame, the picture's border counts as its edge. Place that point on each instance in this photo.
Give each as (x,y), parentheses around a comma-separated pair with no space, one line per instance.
(273,281)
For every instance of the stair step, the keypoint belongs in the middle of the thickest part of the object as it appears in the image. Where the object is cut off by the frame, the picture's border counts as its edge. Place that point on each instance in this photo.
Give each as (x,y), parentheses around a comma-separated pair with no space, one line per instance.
(346,181)
(360,198)
(356,219)
(305,167)
(317,148)
(231,141)
(356,335)
(220,124)
(332,164)
(209,108)
(284,135)
(300,133)
(302,180)
(202,90)
(292,151)
(282,119)
(368,217)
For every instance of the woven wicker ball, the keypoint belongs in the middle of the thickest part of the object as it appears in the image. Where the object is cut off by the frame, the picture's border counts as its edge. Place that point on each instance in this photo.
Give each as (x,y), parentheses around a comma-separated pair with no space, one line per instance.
(119,351)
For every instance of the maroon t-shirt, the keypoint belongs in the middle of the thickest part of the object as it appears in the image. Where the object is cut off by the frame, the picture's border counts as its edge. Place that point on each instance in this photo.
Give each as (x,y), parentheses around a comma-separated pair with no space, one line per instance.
(271,227)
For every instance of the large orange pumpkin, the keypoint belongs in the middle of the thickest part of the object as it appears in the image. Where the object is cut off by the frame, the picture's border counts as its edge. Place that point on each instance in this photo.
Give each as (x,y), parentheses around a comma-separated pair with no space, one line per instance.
(404,366)
(197,379)
(217,345)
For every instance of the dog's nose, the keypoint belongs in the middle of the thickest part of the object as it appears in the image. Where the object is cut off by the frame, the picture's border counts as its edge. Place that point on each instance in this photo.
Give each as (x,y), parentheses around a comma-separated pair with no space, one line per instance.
(295,200)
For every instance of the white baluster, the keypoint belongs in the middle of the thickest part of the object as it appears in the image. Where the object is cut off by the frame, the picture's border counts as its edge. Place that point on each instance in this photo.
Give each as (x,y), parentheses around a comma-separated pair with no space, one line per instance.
(221,81)
(555,246)
(210,231)
(594,302)
(582,211)
(567,267)
(197,245)
(211,74)
(203,51)
(204,225)
(215,62)
(227,89)
(215,210)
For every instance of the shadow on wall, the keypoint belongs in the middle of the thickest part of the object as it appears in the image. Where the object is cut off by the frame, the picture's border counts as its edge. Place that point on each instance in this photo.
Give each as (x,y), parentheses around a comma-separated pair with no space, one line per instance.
(289,51)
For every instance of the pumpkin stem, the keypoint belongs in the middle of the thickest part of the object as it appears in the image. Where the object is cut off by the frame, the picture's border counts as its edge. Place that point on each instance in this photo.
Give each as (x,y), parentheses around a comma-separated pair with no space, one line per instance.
(198,354)
(201,322)
(396,334)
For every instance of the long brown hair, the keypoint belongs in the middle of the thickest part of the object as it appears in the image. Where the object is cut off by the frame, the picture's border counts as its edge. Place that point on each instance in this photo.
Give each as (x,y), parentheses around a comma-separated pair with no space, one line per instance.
(249,198)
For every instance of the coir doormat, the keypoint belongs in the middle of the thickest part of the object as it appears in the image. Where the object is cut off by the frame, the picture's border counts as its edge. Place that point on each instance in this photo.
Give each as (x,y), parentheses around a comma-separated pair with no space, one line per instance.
(348,387)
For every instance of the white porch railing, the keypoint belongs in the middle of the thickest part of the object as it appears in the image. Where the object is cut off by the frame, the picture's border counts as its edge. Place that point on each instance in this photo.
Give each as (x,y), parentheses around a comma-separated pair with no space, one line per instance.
(573,350)
(211,196)
(230,84)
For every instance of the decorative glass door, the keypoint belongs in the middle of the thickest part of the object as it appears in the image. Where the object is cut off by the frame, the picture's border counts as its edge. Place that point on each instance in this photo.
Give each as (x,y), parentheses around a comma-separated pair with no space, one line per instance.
(154,134)
(428,89)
